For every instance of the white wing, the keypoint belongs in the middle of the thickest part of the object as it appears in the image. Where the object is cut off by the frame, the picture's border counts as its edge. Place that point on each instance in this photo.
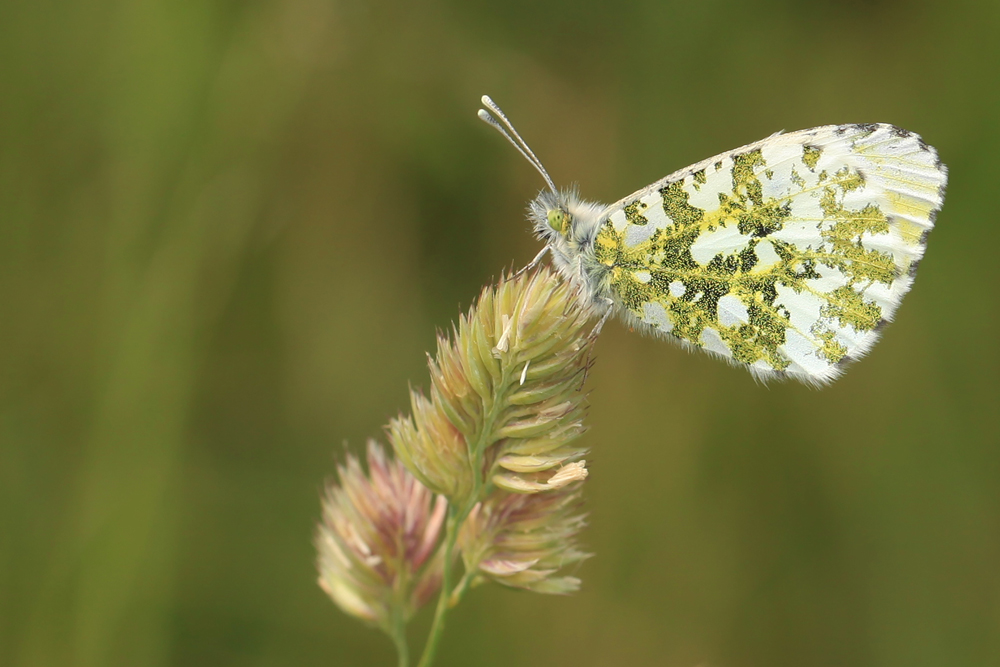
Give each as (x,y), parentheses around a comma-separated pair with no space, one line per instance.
(787,255)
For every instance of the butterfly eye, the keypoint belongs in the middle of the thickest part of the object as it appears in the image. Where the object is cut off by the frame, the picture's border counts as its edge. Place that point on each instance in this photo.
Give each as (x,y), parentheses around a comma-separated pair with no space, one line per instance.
(558,220)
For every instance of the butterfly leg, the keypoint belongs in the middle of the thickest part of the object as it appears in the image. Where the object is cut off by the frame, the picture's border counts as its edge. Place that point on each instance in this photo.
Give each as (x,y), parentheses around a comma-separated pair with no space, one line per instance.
(604,318)
(594,333)
(532,264)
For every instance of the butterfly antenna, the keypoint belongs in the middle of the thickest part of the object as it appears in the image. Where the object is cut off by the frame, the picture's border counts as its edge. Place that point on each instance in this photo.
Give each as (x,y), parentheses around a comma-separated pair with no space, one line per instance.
(504,127)
(495,108)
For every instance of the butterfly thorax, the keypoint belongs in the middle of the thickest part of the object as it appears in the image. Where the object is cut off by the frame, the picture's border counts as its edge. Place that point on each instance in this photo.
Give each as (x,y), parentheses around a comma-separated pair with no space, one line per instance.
(568,225)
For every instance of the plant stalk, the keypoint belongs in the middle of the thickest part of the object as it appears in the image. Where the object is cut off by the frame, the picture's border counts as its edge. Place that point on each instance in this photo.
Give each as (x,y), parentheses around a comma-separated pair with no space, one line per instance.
(452,525)
(399,639)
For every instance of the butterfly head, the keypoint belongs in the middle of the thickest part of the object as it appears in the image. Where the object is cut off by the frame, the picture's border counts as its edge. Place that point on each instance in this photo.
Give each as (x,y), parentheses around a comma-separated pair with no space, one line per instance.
(566,223)
(550,215)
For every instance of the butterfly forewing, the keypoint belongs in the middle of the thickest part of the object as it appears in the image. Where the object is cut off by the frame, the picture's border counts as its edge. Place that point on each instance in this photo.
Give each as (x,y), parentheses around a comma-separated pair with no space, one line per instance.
(786,255)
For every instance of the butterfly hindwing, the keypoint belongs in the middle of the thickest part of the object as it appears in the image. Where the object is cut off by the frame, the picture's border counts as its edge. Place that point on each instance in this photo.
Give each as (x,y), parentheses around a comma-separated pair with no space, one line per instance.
(786,255)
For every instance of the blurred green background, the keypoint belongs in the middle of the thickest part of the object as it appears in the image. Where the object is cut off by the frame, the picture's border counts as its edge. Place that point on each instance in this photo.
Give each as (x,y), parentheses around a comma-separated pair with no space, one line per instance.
(229,230)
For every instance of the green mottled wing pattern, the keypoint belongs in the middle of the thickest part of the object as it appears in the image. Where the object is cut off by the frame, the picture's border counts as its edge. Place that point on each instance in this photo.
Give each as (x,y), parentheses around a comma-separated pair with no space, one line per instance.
(786,255)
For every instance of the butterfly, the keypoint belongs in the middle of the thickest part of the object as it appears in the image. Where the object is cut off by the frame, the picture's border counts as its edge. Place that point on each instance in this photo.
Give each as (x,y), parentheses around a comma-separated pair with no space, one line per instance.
(786,256)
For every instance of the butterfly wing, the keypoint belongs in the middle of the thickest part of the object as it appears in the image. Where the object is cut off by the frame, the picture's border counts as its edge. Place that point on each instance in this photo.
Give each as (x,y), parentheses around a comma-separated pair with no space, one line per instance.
(786,256)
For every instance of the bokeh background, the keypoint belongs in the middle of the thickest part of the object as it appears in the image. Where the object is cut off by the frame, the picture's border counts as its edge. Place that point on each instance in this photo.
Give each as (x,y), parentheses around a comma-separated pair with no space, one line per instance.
(229,230)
